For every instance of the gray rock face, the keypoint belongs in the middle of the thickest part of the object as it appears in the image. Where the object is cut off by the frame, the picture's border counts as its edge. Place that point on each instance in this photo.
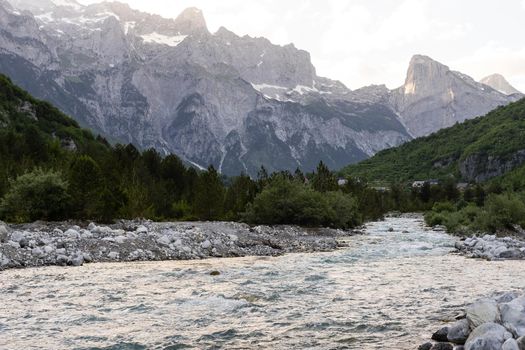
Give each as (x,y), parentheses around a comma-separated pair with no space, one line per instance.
(488,336)
(481,167)
(234,102)
(499,83)
(510,344)
(434,97)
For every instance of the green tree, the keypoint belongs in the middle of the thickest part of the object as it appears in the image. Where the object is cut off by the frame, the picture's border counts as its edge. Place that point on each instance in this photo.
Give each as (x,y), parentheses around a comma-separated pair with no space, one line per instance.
(323,179)
(37,195)
(85,185)
(209,195)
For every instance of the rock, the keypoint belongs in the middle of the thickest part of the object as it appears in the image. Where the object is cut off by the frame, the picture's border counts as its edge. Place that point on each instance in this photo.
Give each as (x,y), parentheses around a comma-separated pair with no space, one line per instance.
(441,335)
(87,257)
(78,260)
(62,260)
(442,346)
(61,251)
(459,332)
(510,344)
(120,239)
(17,236)
(23,243)
(506,297)
(488,336)
(206,244)
(38,252)
(3,232)
(390,229)
(482,311)
(48,249)
(459,347)
(215,273)
(164,240)
(71,233)
(113,255)
(513,316)
(510,254)
(141,229)
(426,346)
(4,261)
(521,343)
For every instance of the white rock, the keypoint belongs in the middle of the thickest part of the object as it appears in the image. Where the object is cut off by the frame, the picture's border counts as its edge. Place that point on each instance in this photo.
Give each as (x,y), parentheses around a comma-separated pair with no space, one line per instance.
(3,260)
(48,249)
(513,316)
(510,344)
(3,232)
(488,336)
(206,244)
(141,229)
(164,240)
(120,239)
(37,252)
(61,251)
(482,311)
(72,233)
(17,236)
(113,255)
(77,260)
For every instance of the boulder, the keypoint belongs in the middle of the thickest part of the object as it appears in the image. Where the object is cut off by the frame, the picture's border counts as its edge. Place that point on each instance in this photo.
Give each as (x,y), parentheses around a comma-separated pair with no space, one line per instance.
(164,240)
(71,233)
(4,260)
(17,236)
(459,332)
(77,260)
(510,344)
(521,343)
(113,255)
(441,335)
(511,254)
(513,316)
(141,229)
(3,232)
(62,260)
(206,244)
(426,346)
(488,336)
(482,311)
(442,346)
(38,252)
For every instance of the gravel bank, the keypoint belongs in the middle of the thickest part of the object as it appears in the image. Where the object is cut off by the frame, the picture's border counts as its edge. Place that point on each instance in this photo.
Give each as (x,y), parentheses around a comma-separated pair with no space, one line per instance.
(41,244)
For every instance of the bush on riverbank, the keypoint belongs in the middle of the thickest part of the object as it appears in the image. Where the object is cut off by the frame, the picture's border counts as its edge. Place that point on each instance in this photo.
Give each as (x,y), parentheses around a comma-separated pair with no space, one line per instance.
(287,201)
(498,212)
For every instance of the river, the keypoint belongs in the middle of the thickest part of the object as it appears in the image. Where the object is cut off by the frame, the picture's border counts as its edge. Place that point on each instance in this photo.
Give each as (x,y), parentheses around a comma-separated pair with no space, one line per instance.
(386,290)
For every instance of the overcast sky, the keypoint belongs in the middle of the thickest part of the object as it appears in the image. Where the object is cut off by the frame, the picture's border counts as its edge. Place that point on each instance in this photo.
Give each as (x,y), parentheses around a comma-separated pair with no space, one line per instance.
(362,42)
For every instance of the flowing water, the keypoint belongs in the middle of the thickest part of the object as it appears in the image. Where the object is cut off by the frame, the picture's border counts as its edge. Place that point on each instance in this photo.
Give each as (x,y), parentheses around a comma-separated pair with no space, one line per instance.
(387,290)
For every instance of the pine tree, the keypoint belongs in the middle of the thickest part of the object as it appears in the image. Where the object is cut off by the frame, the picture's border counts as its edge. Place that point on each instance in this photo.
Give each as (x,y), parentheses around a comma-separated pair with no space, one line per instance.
(324,180)
(209,195)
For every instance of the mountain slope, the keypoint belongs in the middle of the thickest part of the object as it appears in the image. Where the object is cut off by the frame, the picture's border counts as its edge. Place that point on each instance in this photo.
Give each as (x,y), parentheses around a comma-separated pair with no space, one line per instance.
(434,97)
(215,98)
(475,150)
(499,83)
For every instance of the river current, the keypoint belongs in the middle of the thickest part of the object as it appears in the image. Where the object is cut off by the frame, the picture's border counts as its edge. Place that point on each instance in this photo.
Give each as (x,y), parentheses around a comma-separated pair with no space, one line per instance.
(387,290)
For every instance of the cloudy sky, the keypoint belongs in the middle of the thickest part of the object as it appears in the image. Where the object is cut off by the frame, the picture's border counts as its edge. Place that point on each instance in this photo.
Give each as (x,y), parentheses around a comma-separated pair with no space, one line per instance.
(362,42)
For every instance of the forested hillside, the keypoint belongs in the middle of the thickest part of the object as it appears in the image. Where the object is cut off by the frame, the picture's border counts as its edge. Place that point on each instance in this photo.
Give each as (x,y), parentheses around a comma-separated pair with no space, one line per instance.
(475,150)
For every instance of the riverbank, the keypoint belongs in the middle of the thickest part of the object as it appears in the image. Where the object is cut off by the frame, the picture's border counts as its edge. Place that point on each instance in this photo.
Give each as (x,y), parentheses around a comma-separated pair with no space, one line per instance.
(42,244)
(495,323)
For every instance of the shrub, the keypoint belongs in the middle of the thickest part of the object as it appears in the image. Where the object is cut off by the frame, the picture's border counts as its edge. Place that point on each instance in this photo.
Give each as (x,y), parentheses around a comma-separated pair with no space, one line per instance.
(36,195)
(291,202)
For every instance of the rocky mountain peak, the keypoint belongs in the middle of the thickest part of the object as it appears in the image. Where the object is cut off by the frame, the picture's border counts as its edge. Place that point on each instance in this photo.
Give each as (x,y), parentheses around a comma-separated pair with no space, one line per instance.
(191,20)
(423,74)
(498,82)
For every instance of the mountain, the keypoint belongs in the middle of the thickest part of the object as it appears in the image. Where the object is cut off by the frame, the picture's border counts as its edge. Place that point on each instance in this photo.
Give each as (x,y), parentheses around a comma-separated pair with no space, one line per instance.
(499,83)
(217,98)
(474,151)
(435,97)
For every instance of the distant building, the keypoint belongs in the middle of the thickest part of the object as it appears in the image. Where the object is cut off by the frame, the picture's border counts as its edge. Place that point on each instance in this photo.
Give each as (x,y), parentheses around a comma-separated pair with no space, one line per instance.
(342,182)
(419,184)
